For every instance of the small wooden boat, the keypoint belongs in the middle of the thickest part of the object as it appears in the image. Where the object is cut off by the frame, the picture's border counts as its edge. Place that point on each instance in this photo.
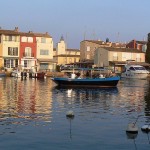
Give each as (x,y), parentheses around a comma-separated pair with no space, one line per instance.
(87,82)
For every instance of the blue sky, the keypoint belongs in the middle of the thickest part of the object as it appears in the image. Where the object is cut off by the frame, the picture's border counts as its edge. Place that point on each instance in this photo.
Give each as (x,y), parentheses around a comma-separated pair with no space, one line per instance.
(76,20)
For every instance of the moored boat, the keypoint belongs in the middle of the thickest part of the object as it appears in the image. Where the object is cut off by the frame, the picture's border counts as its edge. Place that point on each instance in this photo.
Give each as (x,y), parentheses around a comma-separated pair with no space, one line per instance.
(2,74)
(89,82)
(134,72)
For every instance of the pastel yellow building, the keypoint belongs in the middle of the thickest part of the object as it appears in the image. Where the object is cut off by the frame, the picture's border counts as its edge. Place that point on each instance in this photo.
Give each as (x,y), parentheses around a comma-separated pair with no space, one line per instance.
(117,57)
(44,52)
(9,48)
(63,55)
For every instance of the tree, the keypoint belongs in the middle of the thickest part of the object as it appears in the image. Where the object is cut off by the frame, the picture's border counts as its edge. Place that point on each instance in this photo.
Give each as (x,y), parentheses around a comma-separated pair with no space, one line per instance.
(147,55)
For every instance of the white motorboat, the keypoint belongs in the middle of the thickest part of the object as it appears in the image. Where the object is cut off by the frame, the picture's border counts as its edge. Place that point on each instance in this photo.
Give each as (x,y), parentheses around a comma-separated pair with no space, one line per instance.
(134,71)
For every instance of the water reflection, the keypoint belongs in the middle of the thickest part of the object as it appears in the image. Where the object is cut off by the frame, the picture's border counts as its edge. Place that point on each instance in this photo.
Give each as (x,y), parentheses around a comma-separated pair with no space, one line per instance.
(37,109)
(132,136)
(87,93)
(24,100)
(89,98)
(147,105)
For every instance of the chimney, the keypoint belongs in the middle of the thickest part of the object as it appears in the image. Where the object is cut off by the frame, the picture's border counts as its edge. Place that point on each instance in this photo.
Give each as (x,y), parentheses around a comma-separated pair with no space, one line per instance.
(16,29)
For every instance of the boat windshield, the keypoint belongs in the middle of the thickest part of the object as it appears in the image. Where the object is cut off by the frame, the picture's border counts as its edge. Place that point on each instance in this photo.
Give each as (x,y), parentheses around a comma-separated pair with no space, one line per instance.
(139,68)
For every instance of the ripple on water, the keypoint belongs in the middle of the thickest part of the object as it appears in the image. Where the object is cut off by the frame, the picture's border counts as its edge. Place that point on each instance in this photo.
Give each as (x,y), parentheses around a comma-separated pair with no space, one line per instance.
(35,112)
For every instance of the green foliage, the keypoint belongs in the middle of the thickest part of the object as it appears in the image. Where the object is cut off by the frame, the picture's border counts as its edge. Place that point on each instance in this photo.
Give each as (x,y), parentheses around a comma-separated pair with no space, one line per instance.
(147,56)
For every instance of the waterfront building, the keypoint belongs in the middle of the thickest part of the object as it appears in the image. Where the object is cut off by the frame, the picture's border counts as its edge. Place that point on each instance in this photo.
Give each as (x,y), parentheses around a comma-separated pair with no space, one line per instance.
(27,50)
(45,52)
(9,48)
(64,55)
(88,47)
(135,44)
(116,58)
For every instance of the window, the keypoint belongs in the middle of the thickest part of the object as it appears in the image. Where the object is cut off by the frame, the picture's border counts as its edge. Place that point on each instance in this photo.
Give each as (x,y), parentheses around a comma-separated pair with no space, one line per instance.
(9,63)
(44,52)
(65,60)
(131,68)
(24,39)
(27,39)
(43,40)
(25,63)
(30,39)
(16,62)
(12,63)
(70,60)
(126,56)
(88,57)
(43,66)
(13,51)
(138,57)
(139,68)
(28,51)
(75,59)
(115,56)
(10,38)
(88,48)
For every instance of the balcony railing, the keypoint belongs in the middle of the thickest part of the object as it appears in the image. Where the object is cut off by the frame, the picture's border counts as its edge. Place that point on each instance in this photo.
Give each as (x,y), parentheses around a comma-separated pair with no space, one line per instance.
(28,54)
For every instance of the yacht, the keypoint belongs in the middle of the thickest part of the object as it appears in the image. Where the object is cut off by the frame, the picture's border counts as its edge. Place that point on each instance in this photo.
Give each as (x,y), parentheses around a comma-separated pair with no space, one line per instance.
(134,71)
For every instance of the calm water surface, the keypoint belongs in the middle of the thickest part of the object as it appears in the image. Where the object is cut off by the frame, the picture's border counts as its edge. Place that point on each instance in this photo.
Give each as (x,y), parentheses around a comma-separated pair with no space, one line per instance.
(33,116)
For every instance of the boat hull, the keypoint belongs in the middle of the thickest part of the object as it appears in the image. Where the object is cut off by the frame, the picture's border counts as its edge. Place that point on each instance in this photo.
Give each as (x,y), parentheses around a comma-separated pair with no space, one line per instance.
(2,74)
(87,82)
(135,75)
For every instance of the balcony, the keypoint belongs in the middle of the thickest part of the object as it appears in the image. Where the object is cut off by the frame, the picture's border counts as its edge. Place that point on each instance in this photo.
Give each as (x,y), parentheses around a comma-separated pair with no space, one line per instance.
(28,54)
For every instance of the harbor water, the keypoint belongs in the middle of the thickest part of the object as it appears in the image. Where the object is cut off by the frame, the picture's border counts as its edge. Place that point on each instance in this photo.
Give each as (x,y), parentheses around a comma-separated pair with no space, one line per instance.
(33,116)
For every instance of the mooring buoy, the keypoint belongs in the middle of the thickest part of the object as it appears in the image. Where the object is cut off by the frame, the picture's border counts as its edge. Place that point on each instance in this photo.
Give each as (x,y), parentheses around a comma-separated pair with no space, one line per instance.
(145,128)
(70,114)
(132,128)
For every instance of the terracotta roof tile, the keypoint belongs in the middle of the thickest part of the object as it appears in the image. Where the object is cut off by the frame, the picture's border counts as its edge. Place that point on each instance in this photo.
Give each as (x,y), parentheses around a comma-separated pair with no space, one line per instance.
(30,33)
(122,49)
